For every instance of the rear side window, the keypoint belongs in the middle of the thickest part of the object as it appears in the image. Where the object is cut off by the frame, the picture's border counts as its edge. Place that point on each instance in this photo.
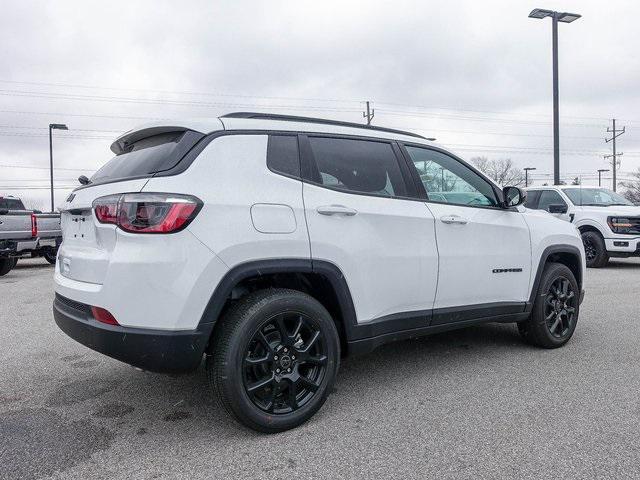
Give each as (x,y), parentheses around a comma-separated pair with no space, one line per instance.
(148,156)
(357,166)
(11,204)
(282,155)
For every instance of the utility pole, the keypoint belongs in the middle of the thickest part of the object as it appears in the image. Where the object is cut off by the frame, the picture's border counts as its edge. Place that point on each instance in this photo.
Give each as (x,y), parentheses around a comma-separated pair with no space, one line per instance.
(53,126)
(600,170)
(526,175)
(369,114)
(614,156)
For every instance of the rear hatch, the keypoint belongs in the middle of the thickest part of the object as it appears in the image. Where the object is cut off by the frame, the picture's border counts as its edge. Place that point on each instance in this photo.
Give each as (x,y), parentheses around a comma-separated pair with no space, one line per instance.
(87,244)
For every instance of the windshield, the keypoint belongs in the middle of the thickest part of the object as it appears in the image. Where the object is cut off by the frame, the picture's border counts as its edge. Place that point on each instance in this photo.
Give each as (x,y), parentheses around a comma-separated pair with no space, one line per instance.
(597,197)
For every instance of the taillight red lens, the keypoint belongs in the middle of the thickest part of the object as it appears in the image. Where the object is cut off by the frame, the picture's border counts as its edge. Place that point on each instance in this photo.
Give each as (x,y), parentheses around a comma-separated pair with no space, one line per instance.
(147,212)
(34,225)
(103,316)
(106,209)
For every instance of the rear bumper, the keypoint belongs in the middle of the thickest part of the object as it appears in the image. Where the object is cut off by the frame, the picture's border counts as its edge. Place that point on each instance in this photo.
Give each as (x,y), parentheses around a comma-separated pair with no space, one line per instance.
(153,350)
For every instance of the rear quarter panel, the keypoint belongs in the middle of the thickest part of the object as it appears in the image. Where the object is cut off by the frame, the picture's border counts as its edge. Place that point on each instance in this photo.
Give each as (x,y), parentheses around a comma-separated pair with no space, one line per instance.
(231,178)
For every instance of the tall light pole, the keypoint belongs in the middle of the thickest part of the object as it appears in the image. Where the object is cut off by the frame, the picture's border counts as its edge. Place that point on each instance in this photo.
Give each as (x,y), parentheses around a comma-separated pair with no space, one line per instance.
(526,175)
(53,126)
(556,17)
(599,175)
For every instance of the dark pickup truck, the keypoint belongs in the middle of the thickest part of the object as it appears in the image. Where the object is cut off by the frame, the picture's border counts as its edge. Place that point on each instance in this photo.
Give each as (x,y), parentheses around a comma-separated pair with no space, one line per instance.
(26,233)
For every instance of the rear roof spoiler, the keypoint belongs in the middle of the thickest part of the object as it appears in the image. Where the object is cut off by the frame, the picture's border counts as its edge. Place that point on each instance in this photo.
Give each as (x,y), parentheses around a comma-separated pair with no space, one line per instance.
(126,139)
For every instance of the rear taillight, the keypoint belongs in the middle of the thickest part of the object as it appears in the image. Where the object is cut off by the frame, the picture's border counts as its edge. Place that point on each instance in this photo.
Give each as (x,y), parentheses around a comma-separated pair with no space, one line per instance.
(147,212)
(34,225)
(106,208)
(104,316)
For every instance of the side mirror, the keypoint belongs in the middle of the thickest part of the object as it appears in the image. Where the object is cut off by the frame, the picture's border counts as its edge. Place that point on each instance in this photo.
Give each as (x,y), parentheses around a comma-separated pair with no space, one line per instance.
(557,208)
(83,180)
(513,196)
(4,211)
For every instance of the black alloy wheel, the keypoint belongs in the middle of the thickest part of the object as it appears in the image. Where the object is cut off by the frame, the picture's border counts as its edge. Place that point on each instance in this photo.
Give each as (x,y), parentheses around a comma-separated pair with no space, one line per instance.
(284,363)
(556,308)
(560,307)
(274,358)
(590,251)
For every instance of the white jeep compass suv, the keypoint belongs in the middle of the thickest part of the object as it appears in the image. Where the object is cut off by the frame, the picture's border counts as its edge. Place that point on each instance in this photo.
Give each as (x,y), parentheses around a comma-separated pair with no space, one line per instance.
(274,245)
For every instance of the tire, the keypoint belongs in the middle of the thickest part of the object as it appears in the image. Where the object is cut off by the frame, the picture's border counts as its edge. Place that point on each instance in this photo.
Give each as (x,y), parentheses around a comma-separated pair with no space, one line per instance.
(556,309)
(6,264)
(50,256)
(595,250)
(15,261)
(253,369)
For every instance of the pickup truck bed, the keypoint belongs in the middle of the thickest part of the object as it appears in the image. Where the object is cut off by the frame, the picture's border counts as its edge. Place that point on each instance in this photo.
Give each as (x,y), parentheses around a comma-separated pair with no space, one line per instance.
(23,232)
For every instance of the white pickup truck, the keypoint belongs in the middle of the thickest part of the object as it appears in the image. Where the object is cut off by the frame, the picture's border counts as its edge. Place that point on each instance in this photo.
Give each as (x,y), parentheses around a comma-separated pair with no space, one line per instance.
(609,223)
(26,233)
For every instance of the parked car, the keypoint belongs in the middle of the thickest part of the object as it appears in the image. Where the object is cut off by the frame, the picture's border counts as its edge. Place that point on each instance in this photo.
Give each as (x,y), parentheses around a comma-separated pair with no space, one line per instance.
(609,223)
(26,233)
(275,245)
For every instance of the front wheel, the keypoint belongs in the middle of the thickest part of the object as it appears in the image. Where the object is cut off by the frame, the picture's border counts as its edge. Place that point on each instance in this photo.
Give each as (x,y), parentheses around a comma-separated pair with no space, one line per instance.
(555,311)
(275,358)
(595,250)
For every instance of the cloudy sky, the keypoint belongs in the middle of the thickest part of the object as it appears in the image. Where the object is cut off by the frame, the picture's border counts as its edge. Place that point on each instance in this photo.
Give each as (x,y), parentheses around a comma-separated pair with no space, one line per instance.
(474,74)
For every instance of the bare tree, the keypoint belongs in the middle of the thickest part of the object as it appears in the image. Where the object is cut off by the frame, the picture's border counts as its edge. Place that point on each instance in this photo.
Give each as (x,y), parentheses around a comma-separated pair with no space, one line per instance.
(632,188)
(503,172)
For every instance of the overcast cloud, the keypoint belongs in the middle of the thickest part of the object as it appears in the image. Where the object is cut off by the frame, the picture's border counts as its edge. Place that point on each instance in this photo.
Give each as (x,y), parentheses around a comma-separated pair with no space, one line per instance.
(474,74)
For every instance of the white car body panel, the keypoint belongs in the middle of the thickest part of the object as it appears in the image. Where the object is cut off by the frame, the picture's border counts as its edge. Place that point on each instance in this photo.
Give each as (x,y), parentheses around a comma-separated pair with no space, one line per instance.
(386,250)
(491,239)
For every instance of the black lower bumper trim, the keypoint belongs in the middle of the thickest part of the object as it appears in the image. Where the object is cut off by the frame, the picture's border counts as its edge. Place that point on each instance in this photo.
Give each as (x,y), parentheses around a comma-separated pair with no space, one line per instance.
(152,350)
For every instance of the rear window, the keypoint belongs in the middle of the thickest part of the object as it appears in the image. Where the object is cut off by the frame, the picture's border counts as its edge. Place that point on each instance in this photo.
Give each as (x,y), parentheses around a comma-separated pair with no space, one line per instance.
(148,156)
(11,204)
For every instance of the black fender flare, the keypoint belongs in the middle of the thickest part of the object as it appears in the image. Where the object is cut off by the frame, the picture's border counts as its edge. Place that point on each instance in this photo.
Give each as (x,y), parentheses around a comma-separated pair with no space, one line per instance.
(254,268)
(548,252)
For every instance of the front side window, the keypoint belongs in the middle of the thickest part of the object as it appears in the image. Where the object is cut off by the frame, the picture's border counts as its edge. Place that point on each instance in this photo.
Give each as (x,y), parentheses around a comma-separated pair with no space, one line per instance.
(360,166)
(549,197)
(447,180)
(532,199)
(595,197)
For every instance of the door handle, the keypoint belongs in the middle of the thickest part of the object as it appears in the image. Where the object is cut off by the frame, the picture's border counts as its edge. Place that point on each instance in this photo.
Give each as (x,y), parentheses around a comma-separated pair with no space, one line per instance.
(336,210)
(453,219)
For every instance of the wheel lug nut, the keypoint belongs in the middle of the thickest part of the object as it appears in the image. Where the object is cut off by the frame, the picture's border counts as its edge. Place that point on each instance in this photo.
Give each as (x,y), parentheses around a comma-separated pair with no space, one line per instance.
(289,370)
(275,357)
(293,357)
(277,370)
(285,350)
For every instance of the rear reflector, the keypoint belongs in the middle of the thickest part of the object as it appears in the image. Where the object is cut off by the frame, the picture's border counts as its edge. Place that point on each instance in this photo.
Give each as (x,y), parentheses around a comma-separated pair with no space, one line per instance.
(147,212)
(103,316)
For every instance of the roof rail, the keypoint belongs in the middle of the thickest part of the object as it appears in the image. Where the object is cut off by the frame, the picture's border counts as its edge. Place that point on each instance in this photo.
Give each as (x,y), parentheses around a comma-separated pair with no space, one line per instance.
(292,118)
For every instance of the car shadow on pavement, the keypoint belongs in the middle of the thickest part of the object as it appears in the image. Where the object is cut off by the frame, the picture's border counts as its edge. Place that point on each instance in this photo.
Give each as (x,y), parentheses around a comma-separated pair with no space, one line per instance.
(149,404)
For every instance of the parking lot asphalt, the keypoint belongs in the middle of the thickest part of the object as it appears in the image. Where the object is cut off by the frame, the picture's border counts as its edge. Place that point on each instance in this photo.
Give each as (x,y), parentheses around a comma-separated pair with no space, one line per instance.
(474,403)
